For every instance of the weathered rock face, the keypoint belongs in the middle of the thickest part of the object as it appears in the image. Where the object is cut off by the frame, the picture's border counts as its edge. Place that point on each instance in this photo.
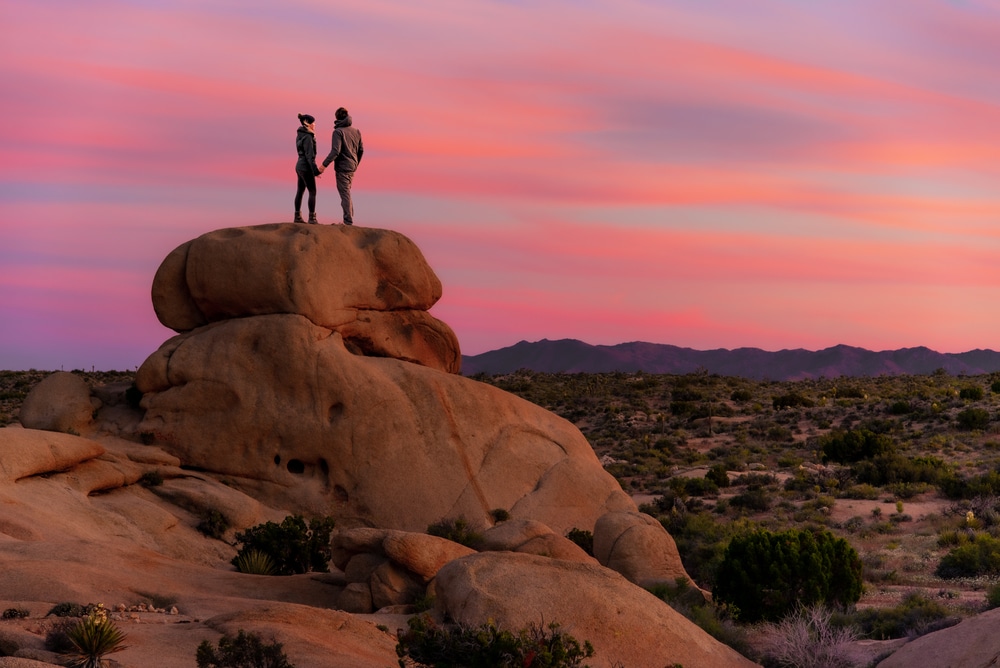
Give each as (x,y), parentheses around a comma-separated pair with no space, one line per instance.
(373,286)
(626,624)
(280,403)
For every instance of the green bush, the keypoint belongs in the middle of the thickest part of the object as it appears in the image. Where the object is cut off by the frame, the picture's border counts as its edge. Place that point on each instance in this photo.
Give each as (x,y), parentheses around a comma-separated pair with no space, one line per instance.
(889,468)
(246,650)
(854,445)
(719,475)
(757,499)
(791,400)
(765,575)
(972,392)
(583,538)
(741,395)
(488,646)
(213,524)
(15,613)
(67,610)
(684,486)
(993,596)
(973,418)
(981,556)
(458,531)
(293,546)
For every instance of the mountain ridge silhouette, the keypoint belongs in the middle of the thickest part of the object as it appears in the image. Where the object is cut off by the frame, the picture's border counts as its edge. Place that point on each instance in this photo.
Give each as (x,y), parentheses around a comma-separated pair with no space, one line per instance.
(574,356)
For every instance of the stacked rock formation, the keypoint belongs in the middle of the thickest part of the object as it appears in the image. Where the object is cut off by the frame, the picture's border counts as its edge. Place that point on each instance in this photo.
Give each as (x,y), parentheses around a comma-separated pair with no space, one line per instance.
(272,386)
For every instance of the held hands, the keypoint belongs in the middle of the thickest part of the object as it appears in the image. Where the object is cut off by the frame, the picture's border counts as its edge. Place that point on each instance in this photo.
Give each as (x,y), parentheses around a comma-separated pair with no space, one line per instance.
(321,168)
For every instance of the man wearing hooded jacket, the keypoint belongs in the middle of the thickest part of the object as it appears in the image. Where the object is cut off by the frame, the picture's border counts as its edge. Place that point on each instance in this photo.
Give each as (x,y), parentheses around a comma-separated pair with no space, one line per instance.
(345,154)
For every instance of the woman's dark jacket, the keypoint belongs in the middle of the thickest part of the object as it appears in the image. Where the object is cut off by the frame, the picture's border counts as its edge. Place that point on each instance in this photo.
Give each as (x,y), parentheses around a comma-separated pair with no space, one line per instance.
(305,144)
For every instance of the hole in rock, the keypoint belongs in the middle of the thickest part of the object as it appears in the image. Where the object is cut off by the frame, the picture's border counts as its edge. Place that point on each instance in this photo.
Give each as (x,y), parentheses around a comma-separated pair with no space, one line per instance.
(340,493)
(324,467)
(296,466)
(335,411)
(277,460)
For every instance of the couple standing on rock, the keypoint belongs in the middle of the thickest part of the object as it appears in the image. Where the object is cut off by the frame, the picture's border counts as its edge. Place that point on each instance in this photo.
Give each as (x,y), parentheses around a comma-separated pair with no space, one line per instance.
(345,154)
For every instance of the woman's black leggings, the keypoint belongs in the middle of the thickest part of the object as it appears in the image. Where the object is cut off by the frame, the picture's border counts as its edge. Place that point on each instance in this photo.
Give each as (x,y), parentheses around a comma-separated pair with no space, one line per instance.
(306,180)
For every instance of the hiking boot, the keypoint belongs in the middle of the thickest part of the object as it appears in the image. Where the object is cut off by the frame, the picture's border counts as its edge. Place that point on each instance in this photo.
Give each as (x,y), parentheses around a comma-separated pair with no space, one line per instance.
(312,219)
(298,218)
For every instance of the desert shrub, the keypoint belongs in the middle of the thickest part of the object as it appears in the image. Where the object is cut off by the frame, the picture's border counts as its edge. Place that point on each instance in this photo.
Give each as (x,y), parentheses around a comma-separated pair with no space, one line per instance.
(14,613)
(500,514)
(900,408)
(791,400)
(993,596)
(985,485)
(854,445)
(981,556)
(757,499)
(246,650)
(293,546)
(807,638)
(915,616)
(213,524)
(755,479)
(995,386)
(92,638)
(426,644)
(719,475)
(861,491)
(849,392)
(683,486)
(583,538)
(973,418)
(741,395)
(765,576)
(456,530)
(67,610)
(972,392)
(889,468)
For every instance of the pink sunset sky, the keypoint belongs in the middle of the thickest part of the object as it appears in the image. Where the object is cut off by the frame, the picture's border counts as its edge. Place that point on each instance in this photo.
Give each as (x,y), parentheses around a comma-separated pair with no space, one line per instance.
(710,173)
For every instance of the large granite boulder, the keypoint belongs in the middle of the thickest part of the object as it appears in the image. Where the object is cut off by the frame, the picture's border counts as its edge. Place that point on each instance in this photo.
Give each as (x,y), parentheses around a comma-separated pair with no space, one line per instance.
(60,402)
(373,286)
(279,404)
(638,547)
(626,624)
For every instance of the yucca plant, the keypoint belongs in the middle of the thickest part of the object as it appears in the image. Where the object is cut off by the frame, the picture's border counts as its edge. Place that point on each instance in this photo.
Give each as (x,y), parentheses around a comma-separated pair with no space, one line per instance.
(94,636)
(254,562)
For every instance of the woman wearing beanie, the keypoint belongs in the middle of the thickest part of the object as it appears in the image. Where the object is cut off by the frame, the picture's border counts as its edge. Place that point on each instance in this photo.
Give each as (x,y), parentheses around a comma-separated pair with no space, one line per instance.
(305,168)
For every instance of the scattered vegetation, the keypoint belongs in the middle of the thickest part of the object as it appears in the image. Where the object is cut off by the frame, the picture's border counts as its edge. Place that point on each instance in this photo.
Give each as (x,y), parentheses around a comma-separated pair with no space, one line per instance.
(291,547)
(425,644)
(456,530)
(246,650)
(717,458)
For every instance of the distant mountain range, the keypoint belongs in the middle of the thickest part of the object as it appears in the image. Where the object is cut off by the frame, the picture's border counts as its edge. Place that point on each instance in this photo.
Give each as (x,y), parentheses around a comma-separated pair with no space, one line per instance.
(572,356)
